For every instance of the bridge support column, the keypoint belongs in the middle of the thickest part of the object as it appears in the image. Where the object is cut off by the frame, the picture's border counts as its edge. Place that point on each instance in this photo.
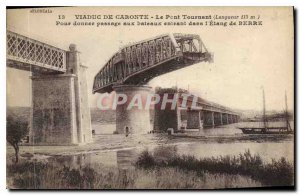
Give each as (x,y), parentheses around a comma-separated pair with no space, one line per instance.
(194,119)
(136,119)
(60,110)
(216,119)
(224,120)
(200,121)
(179,121)
(53,119)
(212,119)
(221,118)
(208,119)
(227,119)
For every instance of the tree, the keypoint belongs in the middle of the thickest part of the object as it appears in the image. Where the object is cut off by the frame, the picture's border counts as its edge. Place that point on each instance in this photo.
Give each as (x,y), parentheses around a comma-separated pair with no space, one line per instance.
(16,130)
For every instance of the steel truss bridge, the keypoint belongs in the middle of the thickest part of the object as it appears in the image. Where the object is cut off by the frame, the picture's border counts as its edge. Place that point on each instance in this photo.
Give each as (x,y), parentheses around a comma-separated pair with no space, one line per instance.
(140,62)
(29,54)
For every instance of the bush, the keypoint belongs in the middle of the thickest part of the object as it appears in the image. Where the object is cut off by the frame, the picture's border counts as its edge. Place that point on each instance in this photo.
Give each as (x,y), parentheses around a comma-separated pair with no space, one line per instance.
(56,177)
(277,173)
(27,175)
(145,160)
(174,171)
(38,175)
(16,130)
(78,178)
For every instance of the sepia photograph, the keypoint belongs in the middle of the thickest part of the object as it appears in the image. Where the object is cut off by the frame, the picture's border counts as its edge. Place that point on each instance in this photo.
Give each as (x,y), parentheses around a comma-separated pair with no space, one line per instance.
(151,98)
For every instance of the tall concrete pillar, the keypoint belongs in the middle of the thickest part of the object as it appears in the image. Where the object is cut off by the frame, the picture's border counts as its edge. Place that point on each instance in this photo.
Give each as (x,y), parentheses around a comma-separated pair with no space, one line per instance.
(194,119)
(200,121)
(212,119)
(179,121)
(224,121)
(60,112)
(208,119)
(227,119)
(167,118)
(217,119)
(216,122)
(221,118)
(205,119)
(136,119)
(201,113)
(74,66)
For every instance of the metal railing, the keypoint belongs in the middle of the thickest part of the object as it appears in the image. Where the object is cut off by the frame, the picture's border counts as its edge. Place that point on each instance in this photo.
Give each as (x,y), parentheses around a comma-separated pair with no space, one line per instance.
(23,49)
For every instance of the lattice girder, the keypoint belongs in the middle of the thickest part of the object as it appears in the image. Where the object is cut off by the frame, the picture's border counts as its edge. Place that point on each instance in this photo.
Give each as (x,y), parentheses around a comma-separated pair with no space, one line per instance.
(29,52)
(139,62)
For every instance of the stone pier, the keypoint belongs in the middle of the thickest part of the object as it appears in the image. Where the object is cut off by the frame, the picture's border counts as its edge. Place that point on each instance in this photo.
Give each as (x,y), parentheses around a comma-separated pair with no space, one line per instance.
(227,119)
(188,115)
(218,118)
(136,119)
(209,119)
(60,112)
(194,119)
(224,119)
(221,119)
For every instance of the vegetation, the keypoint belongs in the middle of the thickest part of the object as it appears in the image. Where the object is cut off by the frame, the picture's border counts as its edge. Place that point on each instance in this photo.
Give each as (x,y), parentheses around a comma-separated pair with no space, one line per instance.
(276,173)
(38,175)
(161,169)
(16,130)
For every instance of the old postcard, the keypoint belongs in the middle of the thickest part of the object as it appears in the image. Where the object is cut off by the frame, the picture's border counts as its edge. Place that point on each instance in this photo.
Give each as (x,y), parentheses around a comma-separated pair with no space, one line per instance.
(150,98)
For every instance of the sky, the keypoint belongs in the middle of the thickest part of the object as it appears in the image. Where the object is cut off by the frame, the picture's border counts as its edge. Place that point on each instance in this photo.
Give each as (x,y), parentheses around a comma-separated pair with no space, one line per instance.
(246,58)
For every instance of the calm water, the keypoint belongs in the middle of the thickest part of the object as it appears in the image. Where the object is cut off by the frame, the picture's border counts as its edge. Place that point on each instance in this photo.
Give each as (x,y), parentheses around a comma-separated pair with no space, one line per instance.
(125,157)
(221,130)
(103,128)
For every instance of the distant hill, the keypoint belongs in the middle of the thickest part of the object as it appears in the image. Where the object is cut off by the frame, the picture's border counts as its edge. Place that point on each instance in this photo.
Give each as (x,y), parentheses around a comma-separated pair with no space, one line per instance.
(97,115)
(270,114)
(103,116)
(108,116)
(21,113)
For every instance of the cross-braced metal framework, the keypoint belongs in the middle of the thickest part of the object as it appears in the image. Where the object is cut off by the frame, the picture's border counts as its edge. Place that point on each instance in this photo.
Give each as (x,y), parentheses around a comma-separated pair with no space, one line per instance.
(140,62)
(28,54)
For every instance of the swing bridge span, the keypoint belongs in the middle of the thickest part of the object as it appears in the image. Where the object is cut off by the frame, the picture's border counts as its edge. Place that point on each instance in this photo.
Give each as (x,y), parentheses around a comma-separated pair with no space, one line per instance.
(60,113)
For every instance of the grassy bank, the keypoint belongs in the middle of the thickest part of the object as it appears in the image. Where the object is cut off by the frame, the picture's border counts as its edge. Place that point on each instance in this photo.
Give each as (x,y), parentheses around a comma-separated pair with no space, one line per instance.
(38,175)
(277,173)
(161,169)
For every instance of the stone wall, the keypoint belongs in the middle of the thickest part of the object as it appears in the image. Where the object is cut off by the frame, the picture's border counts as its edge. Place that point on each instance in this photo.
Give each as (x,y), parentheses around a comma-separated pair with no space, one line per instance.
(60,109)
(53,110)
(193,119)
